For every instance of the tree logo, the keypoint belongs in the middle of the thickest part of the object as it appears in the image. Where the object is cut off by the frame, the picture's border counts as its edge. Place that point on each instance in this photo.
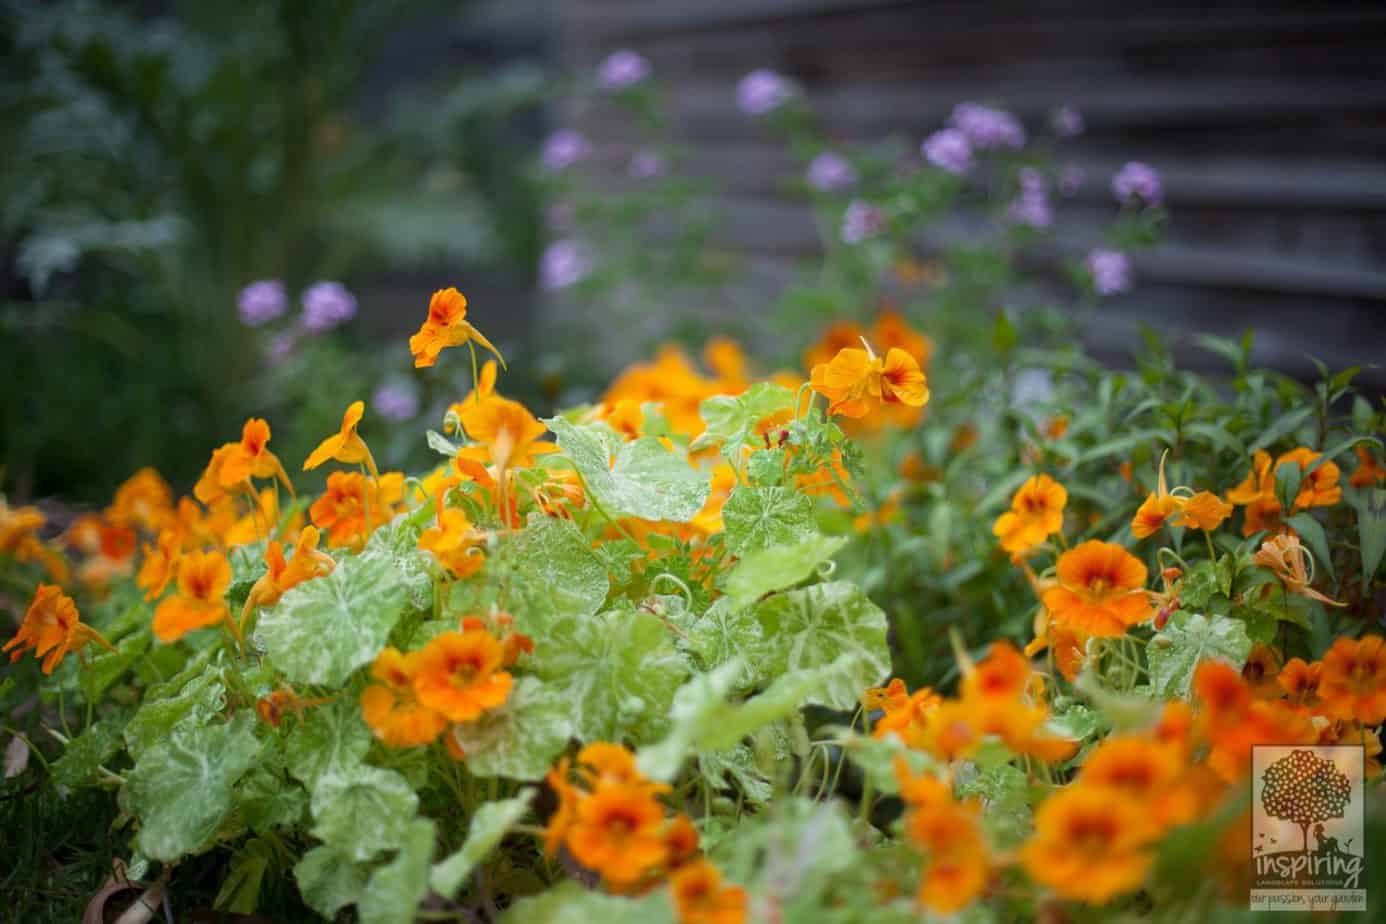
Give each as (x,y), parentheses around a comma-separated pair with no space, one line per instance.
(1307,849)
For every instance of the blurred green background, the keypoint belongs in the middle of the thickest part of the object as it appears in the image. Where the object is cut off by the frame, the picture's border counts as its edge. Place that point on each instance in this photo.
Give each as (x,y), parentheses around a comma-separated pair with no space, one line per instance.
(157,158)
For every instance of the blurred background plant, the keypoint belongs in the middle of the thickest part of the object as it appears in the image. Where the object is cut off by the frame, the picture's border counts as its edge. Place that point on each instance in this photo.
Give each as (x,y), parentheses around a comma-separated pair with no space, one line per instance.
(155,166)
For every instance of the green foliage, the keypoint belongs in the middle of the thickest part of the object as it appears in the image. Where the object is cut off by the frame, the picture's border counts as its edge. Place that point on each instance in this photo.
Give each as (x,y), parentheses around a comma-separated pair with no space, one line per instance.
(1188,640)
(639,479)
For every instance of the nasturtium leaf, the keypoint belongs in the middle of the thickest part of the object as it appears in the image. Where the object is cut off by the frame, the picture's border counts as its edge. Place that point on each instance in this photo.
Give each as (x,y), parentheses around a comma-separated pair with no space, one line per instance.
(1190,638)
(702,719)
(758,518)
(247,567)
(84,753)
(520,739)
(240,890)
(195,697)
(266,799)
(488,826)
(180,788)
(394,890)
(571,903)
(363,811)
(329,881)
(814,627)
(1004,792)
(323,629)
(736,766)
(779,566)
(725,632)
(328,739)
(791,853)
(106,667)
(550,572)
(617,671)
(398,542)
(641,479)
(731,419)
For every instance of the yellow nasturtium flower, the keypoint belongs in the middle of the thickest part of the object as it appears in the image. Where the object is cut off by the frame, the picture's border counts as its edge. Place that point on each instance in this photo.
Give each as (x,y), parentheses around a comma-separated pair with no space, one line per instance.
(346,444)
(446,326)
(857,380)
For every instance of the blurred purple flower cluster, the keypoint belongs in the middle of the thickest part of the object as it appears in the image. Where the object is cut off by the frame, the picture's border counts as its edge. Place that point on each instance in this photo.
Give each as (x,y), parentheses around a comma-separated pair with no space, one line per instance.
(1138,184)
(763,91)
(1032,207)
(948,149)
(564,263)
(564,148)
(860,221)
(325,306)
(1067,122)
(396,401)
(1110,271)
(829,172)
(623,69)
(645,164)
(987,129)
(262,302)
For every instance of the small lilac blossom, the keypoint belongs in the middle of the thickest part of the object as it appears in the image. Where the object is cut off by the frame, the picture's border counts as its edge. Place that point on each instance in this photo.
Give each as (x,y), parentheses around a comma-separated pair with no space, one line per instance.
(1071,179)
(862,220)
(262,302)
(986,128)
(948,149)
(829,172)
(762,91)
(1138,183)
(1067,122)
(1111,271)
(327,304)
(1032,207)
(565,148)
(623,69)
(396,401)
(563,264)
(645,164)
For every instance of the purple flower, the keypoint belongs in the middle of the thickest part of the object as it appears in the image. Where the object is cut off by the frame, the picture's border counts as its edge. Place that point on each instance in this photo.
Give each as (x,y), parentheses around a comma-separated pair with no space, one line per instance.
(763,91)
(622,69)
(1139,183)
(327,304)
(261,302)
(948,149)
(1031,207)
(829,172)
(565,148)
(861,221)
(1067,121)
(1110,270)
(1071,180)
(563,264)
(645,164)
(396,401)
(987,128)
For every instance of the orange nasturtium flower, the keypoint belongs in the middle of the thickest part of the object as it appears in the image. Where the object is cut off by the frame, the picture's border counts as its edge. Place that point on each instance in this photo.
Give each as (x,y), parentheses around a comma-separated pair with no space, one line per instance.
(203,578)
(1100,590)
(619,832)
(1292,563)
(18,539)
(1320,488)
(507,432)
(1090,844)
(160,564)
(345,445)
(701,898)
(1368,472)
(1158,507)
(282,574)
(343,508)
(1299,680)
(856,380)
(52,627)
(948,834)
(1037,512)
(453,541)
(143,501)
(1353,682)
(1204,510)
(392,709)
(446,326)
(459,674)
(836,337)
(251,458)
